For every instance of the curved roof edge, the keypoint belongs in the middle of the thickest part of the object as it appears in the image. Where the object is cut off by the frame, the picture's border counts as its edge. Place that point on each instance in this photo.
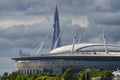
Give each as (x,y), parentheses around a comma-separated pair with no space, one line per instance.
(68,48)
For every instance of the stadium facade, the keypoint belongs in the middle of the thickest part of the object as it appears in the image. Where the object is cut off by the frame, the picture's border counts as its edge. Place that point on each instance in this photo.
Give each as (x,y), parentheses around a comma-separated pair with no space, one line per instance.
(75,56)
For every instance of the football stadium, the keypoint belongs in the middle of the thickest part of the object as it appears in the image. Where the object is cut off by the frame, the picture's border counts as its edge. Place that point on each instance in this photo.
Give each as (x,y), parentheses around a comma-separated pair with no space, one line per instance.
(75,56)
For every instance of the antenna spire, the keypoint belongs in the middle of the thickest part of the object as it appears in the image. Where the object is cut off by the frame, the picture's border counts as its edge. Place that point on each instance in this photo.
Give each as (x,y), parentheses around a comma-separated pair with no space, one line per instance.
(56,31)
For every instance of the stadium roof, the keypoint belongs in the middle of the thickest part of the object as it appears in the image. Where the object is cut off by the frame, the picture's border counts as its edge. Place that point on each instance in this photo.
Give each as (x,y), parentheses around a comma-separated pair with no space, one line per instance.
(87,47)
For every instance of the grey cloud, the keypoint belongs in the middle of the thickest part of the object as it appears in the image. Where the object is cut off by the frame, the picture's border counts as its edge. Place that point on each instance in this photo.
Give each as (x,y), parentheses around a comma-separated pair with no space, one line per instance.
(109,19)
(108,6)
(113,33)
(12,5)
(93,33)
(43,7)
(29,36)
(115,5)
(5,44)
(23,36)
(25,31)
(32,34)
(6,65)
(68,6)
(102,9)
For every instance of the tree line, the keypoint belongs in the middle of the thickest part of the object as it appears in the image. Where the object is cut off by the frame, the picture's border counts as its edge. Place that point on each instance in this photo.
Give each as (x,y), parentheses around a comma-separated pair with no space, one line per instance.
(66,75)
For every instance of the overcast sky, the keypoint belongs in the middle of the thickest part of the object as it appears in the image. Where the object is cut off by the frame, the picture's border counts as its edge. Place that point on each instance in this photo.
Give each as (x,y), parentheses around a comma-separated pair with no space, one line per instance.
(25,23)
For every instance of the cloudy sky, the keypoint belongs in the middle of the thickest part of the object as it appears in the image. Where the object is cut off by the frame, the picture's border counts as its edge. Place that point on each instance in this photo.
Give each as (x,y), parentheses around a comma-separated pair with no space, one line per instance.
(24,24)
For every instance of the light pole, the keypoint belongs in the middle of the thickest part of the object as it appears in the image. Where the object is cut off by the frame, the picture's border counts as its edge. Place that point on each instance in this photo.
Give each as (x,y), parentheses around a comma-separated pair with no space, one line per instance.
(86,75)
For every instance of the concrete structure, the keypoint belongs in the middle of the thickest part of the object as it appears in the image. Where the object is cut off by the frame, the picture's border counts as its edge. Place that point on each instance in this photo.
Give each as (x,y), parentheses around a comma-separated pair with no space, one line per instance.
(79,57)
(62,61)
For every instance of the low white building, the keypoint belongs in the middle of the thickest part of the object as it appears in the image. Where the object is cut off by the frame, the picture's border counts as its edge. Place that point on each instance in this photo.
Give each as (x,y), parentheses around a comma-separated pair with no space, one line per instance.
(116,75)
(96,78)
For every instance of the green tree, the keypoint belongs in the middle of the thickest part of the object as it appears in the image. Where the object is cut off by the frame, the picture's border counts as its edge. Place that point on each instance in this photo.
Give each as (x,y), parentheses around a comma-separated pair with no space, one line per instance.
(21,77)
(106,75)
(34,76)
(80,75)
(58,76)
(68,75)
(50,78)
(41,78)
(5,76)
(13,76)
(30,78)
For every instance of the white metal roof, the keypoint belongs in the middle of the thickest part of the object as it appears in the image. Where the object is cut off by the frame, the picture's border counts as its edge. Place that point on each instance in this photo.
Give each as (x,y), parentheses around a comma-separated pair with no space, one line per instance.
(84,47)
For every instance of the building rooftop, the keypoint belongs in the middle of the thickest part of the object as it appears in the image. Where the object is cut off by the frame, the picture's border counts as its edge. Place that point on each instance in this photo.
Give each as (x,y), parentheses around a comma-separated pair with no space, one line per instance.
(87,47)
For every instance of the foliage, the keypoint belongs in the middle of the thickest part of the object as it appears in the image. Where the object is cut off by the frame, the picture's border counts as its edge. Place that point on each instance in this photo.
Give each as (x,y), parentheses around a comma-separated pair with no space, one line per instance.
(67,75)
(83,75)
(5,75)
